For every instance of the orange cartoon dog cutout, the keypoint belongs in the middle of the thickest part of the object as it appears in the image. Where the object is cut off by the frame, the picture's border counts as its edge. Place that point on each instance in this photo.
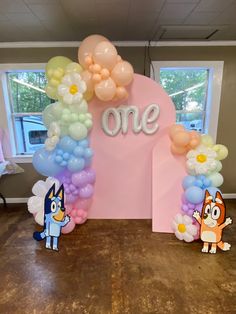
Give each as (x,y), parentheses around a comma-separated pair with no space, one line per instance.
(213,220)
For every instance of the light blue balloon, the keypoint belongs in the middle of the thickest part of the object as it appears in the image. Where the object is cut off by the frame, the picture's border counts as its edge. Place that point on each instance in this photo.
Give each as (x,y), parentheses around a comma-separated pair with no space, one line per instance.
(76,164)
(78,151)
(212,190)
(198,183)
(44,162)
(88,162)
(194,194)
(207,182)
(84,143)
(88,153)
(188,181)
(58,159)
(67,144)
(66,156)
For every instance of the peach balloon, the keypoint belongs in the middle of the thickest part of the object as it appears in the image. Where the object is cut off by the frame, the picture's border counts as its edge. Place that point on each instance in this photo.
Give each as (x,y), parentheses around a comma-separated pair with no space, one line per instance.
(175,128)
(105,54)
(105,90)
(105,73)
(193,144)
(87,77)
(87,47)
(96,78)
(195,135)
(121,92)
(181,138)
(88,60)
(123,73)
(179,150)
(96,68)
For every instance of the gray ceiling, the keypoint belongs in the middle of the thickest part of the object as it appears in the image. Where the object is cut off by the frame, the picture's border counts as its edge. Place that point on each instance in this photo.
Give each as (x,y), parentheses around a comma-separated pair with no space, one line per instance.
(66,20)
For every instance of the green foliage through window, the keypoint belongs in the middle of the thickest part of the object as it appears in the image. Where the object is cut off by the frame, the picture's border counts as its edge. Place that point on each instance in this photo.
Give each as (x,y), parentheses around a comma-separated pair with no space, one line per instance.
(27,91)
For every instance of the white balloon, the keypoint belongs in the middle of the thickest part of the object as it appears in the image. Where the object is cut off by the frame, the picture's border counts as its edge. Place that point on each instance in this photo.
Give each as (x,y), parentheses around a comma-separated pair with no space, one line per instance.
(35,203)
(39,217)
(39,188)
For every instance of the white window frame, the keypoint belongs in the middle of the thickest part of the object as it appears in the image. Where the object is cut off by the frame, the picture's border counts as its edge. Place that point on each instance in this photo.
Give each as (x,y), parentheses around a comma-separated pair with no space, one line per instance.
(214,88)
(6,117)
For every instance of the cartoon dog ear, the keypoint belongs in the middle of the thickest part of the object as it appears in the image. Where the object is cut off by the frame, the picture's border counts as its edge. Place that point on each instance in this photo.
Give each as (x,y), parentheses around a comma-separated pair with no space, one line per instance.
(60,192)
(51,192)
(218,198)
(207,197)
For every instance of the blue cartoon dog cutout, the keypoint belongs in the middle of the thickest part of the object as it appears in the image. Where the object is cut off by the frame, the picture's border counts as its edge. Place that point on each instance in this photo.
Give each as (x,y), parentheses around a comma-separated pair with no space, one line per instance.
(54,218)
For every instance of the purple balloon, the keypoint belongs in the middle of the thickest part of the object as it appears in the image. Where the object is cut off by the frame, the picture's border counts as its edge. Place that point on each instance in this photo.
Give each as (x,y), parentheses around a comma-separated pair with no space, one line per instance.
(84,177)
(80,179)
(70,198)
(91,175)
(86,191)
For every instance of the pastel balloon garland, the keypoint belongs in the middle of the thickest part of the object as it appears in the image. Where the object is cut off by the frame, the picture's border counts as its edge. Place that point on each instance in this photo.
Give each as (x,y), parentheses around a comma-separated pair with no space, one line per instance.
(203,166)
(66,157)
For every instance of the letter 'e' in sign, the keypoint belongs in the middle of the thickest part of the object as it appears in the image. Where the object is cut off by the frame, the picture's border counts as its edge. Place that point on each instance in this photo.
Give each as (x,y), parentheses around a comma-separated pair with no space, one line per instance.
(129,180)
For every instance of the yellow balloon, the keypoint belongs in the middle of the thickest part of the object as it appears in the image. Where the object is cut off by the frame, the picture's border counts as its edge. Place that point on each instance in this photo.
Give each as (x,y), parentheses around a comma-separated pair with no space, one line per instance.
(221,150)
(88,95)
(207,140)
(51,91)
(56,63)
(74,67)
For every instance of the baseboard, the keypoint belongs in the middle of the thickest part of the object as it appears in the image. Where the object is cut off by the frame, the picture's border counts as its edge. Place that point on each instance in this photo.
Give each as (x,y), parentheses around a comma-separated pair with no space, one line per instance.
(17,200)
(20,200)
(228,196)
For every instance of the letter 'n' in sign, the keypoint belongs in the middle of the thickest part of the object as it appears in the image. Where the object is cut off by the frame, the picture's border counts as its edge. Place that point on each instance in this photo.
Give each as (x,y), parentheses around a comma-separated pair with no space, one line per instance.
(147,123)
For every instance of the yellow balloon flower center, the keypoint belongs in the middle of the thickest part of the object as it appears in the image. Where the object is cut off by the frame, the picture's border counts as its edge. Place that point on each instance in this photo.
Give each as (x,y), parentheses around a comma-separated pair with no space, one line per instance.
(182,228)
(201,158)
(73,89)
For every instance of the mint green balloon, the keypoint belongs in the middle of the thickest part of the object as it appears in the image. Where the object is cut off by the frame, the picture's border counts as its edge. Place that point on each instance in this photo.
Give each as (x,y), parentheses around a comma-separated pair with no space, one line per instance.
(48,117)
(216,179)
(78,131)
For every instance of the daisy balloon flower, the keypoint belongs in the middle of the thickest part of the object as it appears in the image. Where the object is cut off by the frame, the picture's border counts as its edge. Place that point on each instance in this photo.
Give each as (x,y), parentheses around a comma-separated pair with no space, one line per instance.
(201,160)
(72,88)
(183,228)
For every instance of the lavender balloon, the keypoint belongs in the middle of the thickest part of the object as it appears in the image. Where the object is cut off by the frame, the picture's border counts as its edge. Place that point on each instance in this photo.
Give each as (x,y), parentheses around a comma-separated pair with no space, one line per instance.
(86,192)
(82,178)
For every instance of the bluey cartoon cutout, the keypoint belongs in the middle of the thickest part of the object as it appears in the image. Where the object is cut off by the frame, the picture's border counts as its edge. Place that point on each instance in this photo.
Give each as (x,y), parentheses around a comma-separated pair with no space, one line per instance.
(213,222)
(54,218)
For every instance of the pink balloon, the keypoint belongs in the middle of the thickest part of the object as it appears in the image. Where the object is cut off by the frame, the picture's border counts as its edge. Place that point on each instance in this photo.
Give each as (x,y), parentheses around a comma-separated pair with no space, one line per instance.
(83,203)
(87,48)
(68,208)
(73,213)
(123,73)
(87,77)
(105,54)
(105,90)
(69,227)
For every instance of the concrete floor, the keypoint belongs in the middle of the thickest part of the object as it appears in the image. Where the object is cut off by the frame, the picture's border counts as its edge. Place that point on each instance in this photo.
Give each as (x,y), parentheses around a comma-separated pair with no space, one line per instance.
(112,267)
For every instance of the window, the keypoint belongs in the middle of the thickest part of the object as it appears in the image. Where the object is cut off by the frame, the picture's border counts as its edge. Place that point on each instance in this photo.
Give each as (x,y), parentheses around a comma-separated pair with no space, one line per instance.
(195,89)
(24,99)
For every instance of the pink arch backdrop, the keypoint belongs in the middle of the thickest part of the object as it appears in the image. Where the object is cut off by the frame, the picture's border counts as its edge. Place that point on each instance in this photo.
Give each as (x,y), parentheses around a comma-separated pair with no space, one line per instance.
(123,163)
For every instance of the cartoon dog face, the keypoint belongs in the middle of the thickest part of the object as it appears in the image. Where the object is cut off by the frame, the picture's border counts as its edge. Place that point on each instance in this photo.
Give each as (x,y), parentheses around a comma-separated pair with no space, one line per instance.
(54,204)
(213,212)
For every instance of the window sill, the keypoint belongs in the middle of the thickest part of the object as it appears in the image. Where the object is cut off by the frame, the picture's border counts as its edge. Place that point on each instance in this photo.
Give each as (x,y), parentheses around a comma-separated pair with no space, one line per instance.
(21,159)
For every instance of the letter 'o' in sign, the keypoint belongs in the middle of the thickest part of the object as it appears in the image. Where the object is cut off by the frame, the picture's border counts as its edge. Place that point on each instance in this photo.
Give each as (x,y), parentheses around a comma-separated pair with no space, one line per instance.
(147,123)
